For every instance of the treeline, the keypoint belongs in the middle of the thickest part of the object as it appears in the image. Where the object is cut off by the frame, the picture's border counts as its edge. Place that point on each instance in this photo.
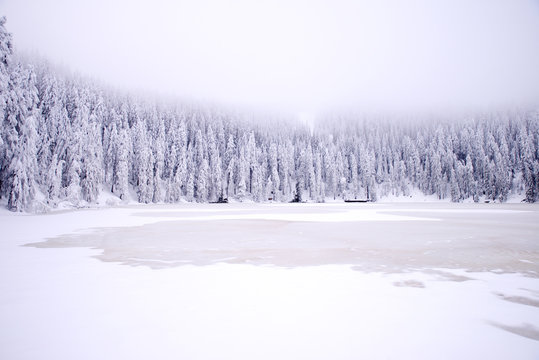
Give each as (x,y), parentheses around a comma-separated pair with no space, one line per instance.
(66,140)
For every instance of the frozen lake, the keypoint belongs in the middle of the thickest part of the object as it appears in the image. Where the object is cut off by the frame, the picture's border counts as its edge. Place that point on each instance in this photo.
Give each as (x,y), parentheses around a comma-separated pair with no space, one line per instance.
(266,281)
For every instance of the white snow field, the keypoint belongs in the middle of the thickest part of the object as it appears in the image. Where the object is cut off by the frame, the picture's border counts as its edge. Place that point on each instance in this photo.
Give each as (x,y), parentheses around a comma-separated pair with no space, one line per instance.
(272,281)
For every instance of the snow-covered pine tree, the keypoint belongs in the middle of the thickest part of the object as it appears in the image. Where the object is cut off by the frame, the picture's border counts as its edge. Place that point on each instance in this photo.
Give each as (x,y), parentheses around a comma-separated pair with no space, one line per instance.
(19,136)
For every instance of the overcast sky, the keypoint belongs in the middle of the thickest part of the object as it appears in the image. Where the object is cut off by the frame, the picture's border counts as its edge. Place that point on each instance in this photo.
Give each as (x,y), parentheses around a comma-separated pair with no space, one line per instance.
(302,56)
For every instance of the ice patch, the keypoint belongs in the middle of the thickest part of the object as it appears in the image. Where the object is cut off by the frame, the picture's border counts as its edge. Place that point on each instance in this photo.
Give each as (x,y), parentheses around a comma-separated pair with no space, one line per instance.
(348,216)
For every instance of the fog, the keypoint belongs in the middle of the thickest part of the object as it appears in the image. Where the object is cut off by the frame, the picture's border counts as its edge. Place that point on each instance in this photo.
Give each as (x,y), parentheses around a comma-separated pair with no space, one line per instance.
(302,56)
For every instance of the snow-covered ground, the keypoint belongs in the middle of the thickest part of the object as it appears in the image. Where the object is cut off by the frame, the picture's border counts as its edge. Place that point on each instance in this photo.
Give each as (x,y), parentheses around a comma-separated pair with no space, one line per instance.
(272,281)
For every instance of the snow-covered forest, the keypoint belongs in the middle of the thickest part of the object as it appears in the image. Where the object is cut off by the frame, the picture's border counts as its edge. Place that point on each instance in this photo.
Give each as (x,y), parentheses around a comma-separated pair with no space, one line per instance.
(64,139)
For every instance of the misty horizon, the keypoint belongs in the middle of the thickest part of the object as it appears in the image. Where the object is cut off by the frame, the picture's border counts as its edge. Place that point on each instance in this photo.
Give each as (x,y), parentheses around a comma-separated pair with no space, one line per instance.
(303,58)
